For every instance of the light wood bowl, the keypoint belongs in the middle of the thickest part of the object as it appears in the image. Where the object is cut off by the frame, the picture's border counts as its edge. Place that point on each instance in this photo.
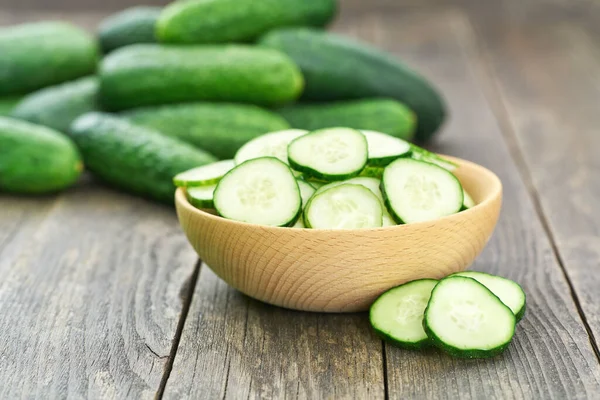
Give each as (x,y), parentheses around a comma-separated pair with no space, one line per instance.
(343,270)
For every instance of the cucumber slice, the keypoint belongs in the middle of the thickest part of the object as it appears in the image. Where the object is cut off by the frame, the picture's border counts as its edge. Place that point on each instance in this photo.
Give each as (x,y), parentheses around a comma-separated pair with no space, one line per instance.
(466,319)
(419,153)
(315,183)
(259,191)
(344,206)
(299,223)
(468,200)
(416,191)
(274,144)
(383,149)
(329,154)
(386,219)
(306,191)
(509,292)
(203,176)
(201,196)
(397,315)
(372,172)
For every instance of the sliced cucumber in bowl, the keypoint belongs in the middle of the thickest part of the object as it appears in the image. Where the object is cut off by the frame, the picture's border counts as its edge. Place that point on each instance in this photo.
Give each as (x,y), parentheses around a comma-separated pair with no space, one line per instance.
(201,196)
(344,206)
(273,144)
(332,154)
(383,148)
(205,175)
(259,191)
(416,191)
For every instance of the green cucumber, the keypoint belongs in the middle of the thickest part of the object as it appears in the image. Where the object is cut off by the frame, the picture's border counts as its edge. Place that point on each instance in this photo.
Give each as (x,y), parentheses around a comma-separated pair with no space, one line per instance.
(468,200)
(383,149)
(201,196)
(147,74)
(205,175)
(397,315)
(509,292)
(130,26)
(416,191)
(7,104)
(420,154)
(35,159)
(330,154)
(58,106)
(220,21)
(345,206)
(259,191)
(338,68)
(383,115)
(372,172)
(41,54)
(219,128)
(465,319)
(133,158)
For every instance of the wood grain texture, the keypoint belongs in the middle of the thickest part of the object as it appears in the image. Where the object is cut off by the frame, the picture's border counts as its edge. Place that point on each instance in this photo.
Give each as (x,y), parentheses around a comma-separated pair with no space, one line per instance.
(89,294)
(551,356)
(234,347)
(343,270)
(548,78)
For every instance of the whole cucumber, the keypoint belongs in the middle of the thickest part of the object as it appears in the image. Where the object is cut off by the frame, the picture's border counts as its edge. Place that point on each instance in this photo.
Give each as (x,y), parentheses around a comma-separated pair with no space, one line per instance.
(219,128)
(35,159)
(58,106)
(338,68)
(42,54)
(220,21)
(148,74)
(133,158)
(127,27)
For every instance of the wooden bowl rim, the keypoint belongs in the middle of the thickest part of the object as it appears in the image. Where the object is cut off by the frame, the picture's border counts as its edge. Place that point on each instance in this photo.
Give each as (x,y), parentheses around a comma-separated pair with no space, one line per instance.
(493,194)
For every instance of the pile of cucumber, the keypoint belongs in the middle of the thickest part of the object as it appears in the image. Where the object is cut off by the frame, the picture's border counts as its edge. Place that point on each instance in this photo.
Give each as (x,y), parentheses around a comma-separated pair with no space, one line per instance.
(333,178)
(468,314)
(209,75)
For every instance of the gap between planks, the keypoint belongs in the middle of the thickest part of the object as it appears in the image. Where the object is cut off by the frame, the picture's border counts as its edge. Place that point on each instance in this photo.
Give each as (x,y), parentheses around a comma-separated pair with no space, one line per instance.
(491,91)
(186,295)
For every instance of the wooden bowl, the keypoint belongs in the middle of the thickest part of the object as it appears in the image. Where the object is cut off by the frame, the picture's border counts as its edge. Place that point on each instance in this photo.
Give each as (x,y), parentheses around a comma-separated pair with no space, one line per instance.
(343,270)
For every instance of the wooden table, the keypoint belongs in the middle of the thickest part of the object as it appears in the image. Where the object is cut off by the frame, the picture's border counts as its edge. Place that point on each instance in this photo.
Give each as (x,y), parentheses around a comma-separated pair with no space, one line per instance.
(102,297)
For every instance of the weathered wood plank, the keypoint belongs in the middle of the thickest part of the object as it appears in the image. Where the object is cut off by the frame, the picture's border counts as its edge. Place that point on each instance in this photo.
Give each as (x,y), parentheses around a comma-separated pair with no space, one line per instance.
(234,347)
(549,79)
(90,294)
(551,356)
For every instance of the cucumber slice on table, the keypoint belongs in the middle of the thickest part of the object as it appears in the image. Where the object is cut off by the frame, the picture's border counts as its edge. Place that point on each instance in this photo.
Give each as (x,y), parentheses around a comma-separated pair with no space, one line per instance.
(419,153)
(201,196)
(397,315)
(344,206)
(259,191)
(466,319)
(329,154)
(509,292)
(383,149)
(202,176)
(417,191)
(373,184)
(274,144)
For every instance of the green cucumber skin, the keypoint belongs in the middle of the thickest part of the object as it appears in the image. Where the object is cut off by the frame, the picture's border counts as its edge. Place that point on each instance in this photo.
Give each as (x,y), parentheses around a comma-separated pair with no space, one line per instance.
(387,204)
(206,21)
(462,353)
(133,158)
(381,115)
(219,128)
(385,161)
(130,26)
(42,54)
(58,106)
(329,62)
(7,104)
(201,203)
(313,174)
(371,171)
(35,159)
(422,344)
(147,74)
